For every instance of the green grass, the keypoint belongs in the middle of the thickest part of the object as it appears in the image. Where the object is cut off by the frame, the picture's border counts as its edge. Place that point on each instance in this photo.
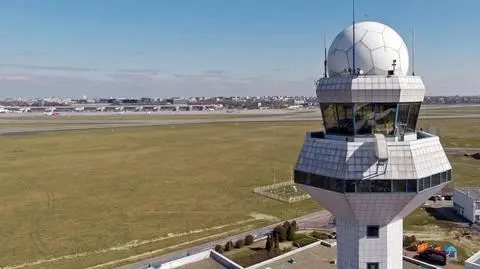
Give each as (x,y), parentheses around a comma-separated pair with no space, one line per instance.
(68,192)
(450,111)
(455,132)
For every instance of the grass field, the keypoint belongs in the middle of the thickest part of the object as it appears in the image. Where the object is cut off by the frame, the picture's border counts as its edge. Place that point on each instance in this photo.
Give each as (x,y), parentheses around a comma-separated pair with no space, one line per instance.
(97,194)
(450,111)
(63,193)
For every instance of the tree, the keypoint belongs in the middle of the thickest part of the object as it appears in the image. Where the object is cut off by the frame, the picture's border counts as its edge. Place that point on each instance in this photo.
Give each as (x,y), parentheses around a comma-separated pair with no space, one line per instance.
(219,249)
(240,243)
(249,240)
(269,244)
(277,241)
(282,233)
(290,233)
(294,225)
(229,246)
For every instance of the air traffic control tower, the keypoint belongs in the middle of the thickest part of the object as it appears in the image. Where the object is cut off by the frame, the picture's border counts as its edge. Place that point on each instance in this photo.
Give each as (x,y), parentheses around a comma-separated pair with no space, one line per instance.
(370,167)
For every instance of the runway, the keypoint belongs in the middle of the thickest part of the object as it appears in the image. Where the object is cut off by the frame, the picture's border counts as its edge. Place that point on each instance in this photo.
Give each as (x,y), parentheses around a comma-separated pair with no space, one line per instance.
(105,124)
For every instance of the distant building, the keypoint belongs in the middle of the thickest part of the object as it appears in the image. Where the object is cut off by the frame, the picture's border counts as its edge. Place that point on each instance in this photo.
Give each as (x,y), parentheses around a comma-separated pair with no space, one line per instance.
(466,202)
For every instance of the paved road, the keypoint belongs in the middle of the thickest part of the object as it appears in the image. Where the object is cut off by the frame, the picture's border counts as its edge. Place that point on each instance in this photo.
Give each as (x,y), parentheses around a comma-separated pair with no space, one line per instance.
(319,218)
(119,124)
(462,150)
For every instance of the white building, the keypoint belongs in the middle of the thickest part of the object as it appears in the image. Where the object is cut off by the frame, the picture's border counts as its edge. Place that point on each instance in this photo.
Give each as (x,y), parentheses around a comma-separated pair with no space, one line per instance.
(466,202)
(473,262)
(369,166)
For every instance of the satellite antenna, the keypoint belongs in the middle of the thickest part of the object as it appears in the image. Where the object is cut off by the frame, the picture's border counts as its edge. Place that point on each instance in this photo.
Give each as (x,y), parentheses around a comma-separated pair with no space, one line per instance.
(353,48)
(325,56)
(413,52)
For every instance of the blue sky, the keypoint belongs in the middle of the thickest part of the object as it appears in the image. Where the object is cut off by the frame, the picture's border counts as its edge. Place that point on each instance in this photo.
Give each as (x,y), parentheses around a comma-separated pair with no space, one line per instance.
(215,47)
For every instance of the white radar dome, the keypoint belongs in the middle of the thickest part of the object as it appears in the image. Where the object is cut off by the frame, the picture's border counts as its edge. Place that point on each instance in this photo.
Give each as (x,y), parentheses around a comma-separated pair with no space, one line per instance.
(376,46)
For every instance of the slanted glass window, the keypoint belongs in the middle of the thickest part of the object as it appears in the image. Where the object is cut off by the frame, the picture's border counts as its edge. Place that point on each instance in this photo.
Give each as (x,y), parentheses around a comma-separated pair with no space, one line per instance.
(420,184)
(449,175)
(364,118)
(300,177)
(363,186)
(336,184)
(435,180)
(329,115)
(349,186)
(373,265)
(373,231)
(385,118)
(427,182)
(399,185)
(345,119)
(408,115)
(411,185)
(381,186)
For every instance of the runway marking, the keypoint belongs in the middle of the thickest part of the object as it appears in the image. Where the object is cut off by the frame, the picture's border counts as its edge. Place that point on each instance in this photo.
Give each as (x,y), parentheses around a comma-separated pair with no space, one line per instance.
(135,243)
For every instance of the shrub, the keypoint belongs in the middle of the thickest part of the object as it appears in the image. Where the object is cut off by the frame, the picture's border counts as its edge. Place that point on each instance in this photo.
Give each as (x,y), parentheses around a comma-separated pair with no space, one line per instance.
(409,240)
(218,249)
(249,240)
(269,244)
(320,235)
(229,246)
(303,240)
(286,224)
(294,225)
(290,233)
(282,233)
(277,241)
(240,243)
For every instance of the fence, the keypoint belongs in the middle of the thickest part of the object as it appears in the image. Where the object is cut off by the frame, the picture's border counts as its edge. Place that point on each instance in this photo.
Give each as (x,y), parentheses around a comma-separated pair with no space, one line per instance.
(265,191)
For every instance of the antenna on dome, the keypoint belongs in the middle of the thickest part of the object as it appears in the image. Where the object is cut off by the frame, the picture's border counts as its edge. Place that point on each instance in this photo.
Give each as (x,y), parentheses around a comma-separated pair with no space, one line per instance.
(325,56)
(353,48)
(413,52)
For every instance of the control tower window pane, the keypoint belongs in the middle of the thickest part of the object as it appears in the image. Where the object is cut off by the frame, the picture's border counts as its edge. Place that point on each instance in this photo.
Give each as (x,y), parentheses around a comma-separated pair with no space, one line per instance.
(427,182)
(349,186)
(364,118)
(399,186)
(413,116)
(435,179)
(381,186)
(412,185)
(385,118)
(421,185)
(363,186)
(329,115)
(345,119)
(408,115)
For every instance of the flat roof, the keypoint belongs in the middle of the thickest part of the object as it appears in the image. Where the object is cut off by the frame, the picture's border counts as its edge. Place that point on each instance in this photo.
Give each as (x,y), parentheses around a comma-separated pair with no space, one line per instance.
(472,192)
(315,257)
(207,263)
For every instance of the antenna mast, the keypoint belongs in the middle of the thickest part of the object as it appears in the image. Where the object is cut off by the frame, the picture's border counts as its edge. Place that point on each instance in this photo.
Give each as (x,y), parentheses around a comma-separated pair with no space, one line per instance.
(413,52)
(325,56)
(353,50)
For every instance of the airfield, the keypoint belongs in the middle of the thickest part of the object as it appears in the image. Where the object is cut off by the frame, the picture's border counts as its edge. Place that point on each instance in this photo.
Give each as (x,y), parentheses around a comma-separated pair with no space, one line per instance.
(84,190)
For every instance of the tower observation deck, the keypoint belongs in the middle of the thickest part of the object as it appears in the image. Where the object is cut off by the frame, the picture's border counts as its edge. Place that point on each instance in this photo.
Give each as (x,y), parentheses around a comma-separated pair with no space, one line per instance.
(370,167)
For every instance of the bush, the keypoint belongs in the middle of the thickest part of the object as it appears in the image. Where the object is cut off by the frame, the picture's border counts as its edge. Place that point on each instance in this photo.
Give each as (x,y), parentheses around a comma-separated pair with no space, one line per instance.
(303,240)
(290,233)
(240,243)
(294,225)
(277,241)
(219,249)
(269,244)
(282,233)
(249,240)
(320,235)
(409,240)
(286,224)
(229,246)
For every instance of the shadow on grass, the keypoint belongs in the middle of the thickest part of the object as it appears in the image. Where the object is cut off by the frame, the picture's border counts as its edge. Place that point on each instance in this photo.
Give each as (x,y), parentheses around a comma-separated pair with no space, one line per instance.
(445,214)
